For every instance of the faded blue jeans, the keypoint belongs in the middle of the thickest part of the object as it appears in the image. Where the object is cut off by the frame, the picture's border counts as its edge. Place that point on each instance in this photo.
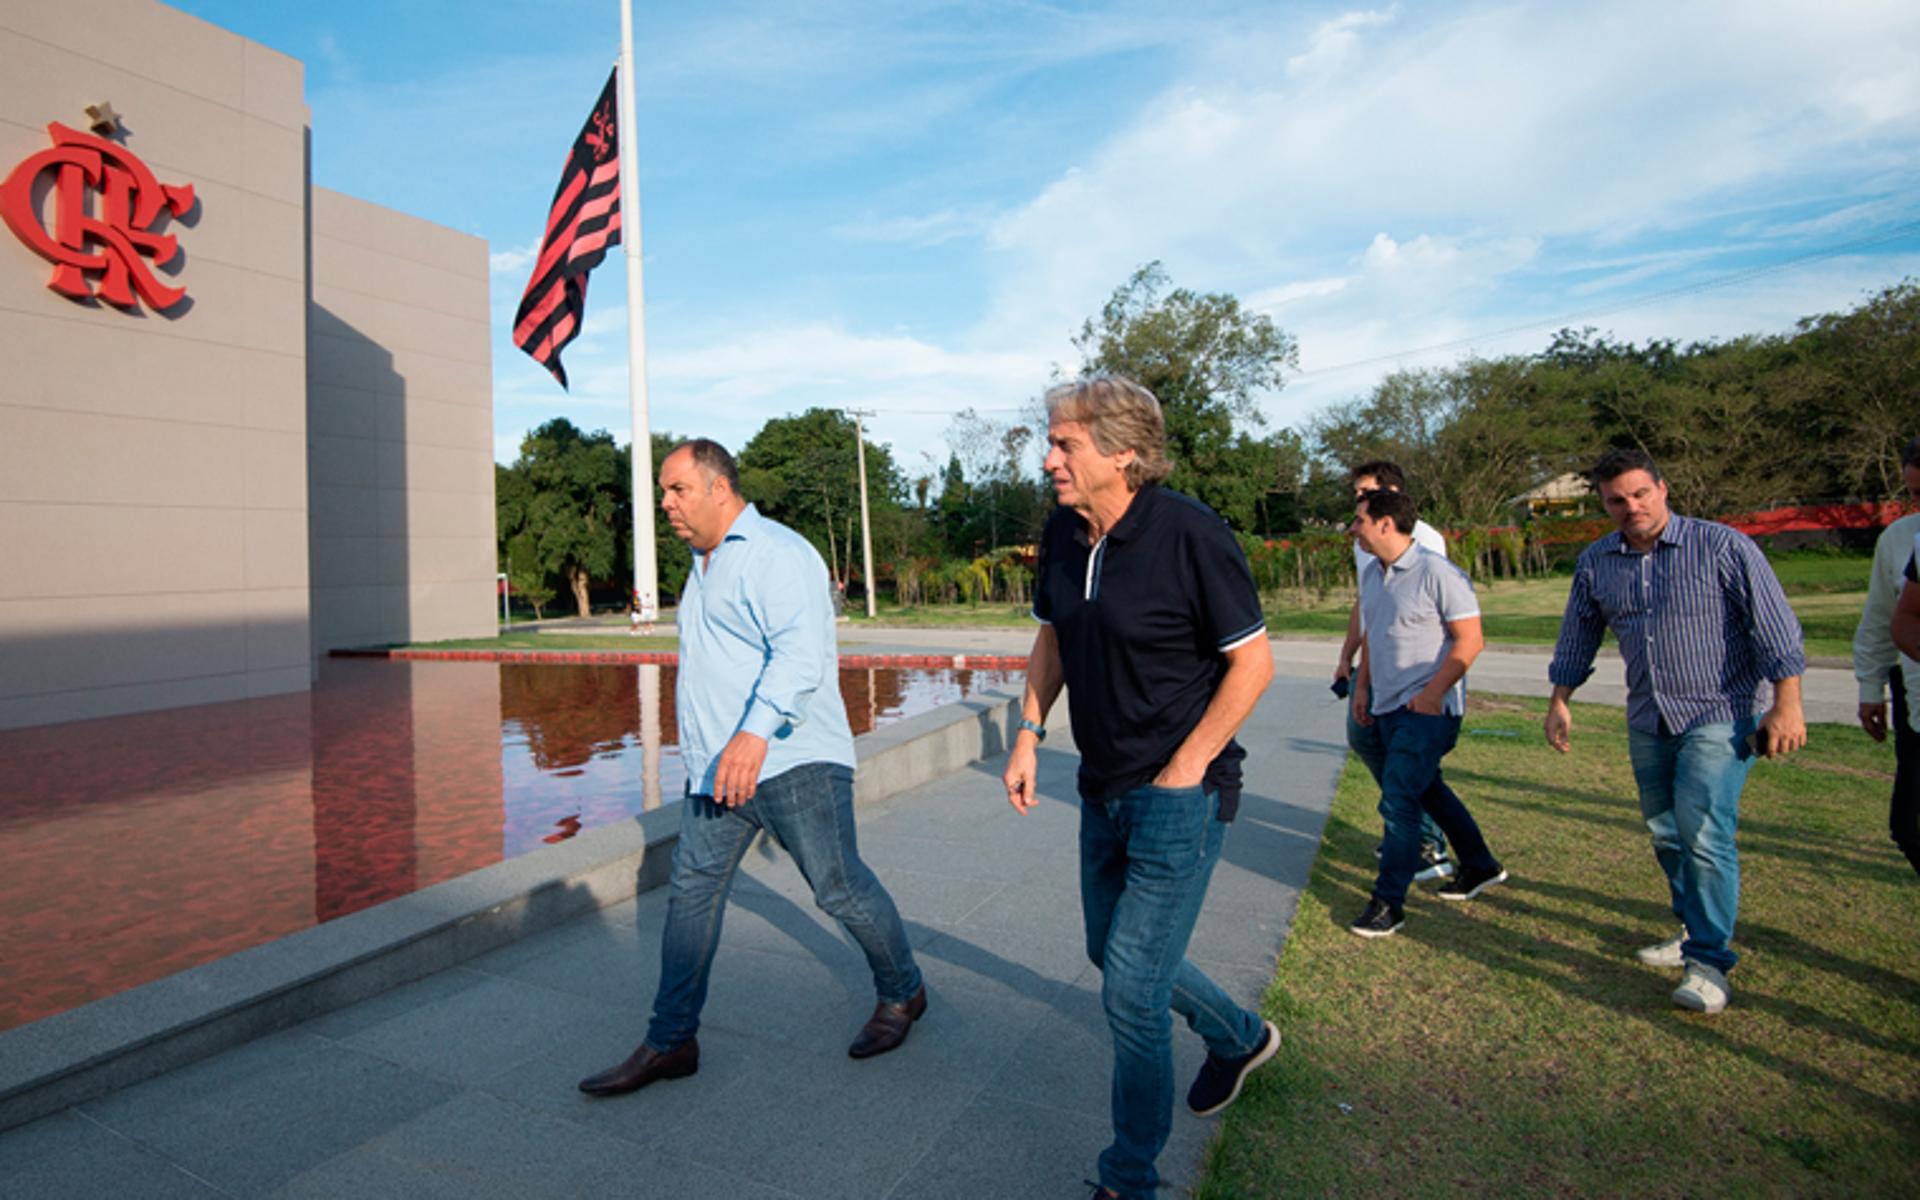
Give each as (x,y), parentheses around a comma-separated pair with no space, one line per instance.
(1690,787)
(1411,789)
(1145,860)
(810,810)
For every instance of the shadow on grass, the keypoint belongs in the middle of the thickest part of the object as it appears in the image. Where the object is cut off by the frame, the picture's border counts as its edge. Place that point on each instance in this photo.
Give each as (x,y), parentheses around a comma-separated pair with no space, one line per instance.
(1827,852)
(1608,981)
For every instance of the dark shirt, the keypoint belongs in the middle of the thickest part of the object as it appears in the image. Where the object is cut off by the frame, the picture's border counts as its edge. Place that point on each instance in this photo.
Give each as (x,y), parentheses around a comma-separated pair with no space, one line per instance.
(1701,621)
(1142,621)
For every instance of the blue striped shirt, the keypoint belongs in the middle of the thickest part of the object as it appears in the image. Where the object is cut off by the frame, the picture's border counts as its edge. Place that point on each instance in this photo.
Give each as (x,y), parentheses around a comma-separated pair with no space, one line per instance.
(1701,621)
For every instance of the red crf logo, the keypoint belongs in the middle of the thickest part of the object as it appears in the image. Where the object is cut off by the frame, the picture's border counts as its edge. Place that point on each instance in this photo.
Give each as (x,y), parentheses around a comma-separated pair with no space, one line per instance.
(117,238)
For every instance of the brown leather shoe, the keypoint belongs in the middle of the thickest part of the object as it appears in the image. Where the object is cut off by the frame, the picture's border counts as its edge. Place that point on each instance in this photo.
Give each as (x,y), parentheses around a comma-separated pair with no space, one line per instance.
(642,1067)
(888,1026)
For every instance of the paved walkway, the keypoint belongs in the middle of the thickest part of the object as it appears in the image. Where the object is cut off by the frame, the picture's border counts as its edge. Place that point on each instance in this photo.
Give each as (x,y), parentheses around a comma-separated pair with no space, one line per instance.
(462,1085)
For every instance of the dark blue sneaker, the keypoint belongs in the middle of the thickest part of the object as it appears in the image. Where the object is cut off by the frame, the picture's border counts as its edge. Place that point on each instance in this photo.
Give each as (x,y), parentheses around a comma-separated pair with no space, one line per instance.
(1379,919)
(1218,1083)
(1468,884)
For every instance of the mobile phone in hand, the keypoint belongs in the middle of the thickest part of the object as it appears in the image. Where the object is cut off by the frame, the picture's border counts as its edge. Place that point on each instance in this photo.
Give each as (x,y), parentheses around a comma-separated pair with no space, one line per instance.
(1342,687)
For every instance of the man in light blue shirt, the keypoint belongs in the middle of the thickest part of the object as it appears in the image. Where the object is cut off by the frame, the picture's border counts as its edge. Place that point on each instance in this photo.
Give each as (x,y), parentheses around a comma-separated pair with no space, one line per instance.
(764,735)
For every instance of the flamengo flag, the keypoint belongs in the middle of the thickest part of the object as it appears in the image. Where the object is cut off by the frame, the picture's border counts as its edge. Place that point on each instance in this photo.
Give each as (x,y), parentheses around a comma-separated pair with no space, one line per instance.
(584,221)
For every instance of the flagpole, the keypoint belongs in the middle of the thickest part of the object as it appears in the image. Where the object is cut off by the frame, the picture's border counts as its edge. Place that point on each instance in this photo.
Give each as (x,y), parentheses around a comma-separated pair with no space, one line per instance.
(646,572)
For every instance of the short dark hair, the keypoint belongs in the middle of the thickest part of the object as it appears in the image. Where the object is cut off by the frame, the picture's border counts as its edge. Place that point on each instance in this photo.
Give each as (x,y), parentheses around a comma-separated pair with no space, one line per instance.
(1618,461)
(710,456)
(1910,457)
(1397,506)
(1386,476)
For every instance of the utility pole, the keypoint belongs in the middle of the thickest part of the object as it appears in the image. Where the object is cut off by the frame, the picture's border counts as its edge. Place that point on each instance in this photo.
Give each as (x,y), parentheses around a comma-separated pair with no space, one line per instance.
(866,523)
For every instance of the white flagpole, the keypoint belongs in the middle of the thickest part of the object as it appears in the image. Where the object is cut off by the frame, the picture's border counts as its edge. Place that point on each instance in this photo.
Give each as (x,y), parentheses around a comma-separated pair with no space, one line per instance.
(646,572)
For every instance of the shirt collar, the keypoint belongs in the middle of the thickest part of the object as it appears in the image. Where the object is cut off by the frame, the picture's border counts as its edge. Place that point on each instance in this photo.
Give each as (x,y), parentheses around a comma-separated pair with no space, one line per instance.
(1404,562)
(744,526)
(1130,521)
(1675,534)
(1124,528)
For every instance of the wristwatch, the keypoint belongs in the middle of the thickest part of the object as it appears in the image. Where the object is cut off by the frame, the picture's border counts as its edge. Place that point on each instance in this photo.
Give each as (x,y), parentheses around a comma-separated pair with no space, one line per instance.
(1038,730)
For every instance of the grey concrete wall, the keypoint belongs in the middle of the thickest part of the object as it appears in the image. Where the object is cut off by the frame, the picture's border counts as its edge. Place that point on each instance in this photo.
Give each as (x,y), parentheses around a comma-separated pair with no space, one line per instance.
(400,409)
(153,490)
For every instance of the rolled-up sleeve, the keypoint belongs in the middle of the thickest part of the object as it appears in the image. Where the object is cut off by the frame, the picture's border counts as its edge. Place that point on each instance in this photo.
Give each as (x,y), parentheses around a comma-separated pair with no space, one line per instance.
(1581,628)
(795,615)
(1778,647)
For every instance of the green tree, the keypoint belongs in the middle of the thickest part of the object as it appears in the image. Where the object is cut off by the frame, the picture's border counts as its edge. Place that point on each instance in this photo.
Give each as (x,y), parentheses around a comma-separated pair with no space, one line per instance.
(565,514)
(513,496)
(1209,362)
(1860,389)
(1471,437)
(802,471)
(672,560)
(991,497)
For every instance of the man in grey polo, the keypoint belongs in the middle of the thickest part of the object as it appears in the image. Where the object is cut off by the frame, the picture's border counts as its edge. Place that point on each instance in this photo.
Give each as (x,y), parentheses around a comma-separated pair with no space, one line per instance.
(1422,626)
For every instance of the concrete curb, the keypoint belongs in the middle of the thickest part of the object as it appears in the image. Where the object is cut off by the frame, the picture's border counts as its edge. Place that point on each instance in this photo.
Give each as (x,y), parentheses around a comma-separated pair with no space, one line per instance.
(942,662)
(112,1043)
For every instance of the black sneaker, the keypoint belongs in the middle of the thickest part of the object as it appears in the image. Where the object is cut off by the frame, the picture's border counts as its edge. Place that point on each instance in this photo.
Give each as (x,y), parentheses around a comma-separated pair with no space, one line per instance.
(1434,864)
(1379,919)
(1218,1083)
(1468,884)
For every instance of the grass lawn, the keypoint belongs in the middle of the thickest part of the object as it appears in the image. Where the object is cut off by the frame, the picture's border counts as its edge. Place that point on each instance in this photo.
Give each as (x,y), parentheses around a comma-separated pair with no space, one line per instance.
(1827,592)
(1511,1046)
(946,616)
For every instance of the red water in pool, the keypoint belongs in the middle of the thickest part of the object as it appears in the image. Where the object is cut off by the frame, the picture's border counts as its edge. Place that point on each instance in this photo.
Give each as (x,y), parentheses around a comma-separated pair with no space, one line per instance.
(138,846)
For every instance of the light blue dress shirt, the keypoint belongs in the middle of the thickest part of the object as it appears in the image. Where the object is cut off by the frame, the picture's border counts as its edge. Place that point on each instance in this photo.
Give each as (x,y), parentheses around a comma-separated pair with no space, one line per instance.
(757,653)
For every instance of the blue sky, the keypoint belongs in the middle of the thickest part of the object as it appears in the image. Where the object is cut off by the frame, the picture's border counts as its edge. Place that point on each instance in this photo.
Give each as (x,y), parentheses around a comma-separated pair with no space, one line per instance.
(910,207)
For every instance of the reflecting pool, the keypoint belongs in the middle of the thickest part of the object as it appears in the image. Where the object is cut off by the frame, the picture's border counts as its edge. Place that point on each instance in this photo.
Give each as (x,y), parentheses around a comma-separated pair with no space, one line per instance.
(134,847)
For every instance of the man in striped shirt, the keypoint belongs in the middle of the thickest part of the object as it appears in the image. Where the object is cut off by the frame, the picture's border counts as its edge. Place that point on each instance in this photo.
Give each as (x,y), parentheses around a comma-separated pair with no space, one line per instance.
(1703,626)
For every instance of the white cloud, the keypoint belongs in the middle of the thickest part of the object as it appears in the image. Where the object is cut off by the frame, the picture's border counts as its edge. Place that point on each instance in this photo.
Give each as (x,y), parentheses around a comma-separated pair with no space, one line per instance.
(1484,149)
(930,229)
(1333,41)
(512,262)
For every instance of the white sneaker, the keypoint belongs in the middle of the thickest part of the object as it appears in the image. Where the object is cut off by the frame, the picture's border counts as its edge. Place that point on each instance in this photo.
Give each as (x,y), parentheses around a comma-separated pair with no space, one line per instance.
(1433,865)
(1666,954)
(1704,990)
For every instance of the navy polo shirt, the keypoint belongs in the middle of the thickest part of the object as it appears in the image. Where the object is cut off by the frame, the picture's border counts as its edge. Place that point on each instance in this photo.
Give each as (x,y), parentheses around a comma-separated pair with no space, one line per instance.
(1143,619)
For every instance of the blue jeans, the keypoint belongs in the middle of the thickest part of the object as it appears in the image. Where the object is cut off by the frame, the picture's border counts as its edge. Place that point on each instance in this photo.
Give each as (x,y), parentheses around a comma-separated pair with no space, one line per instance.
(1145,860)
(1411,788)
(1690,799)
(1364,741)
(810,809)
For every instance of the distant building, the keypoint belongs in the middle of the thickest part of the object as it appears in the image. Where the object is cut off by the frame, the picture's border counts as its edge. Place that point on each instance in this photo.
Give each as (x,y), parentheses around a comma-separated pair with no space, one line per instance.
(215,468)
(1566,494)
